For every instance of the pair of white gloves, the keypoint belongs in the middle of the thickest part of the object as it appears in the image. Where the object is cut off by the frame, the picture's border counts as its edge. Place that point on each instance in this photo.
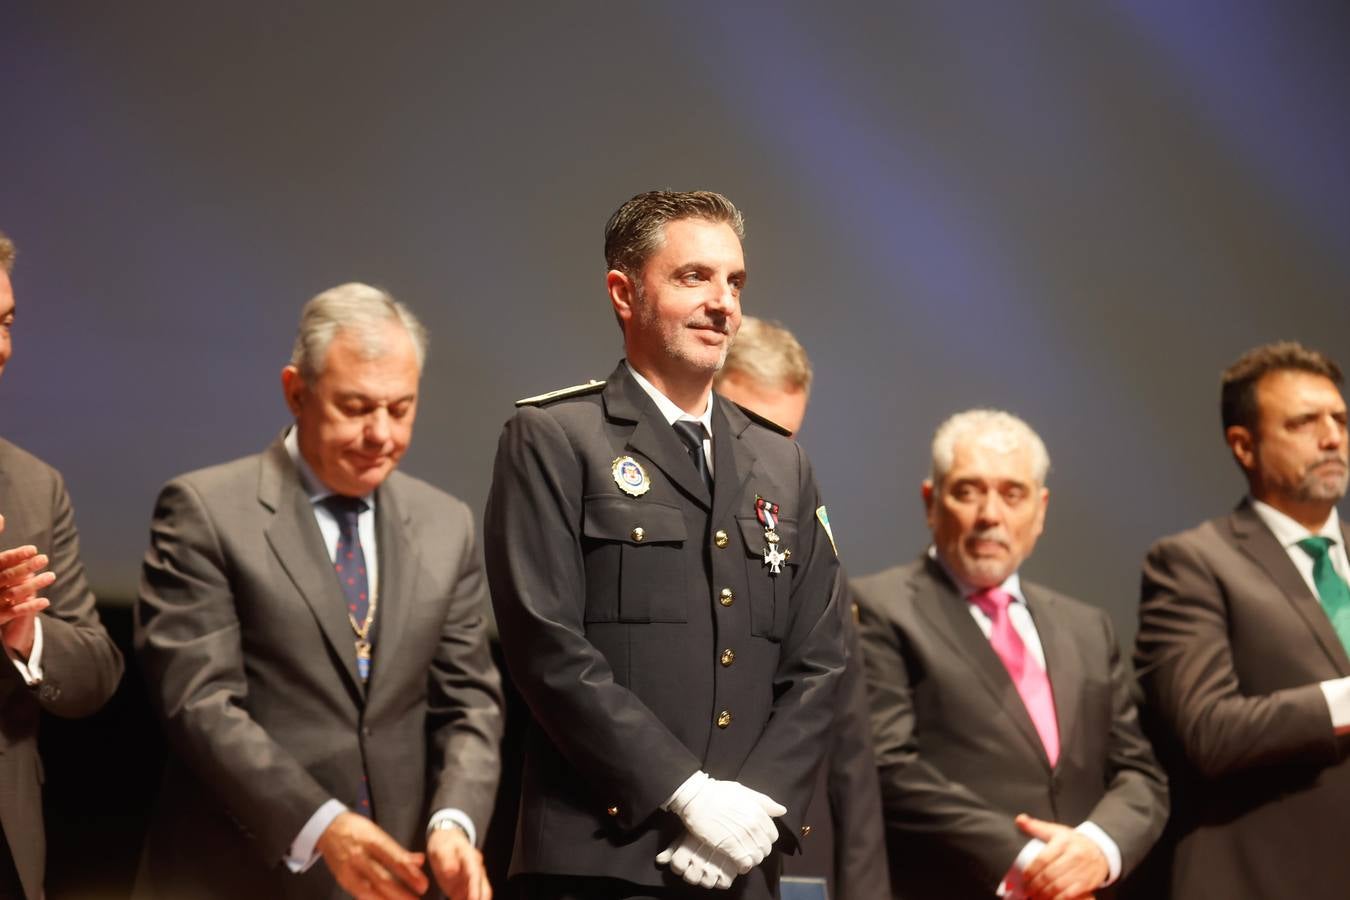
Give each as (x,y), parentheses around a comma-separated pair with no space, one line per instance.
(729,829)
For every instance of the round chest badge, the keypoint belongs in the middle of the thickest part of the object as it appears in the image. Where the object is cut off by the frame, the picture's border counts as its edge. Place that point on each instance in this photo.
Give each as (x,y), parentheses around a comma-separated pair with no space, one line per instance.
(631,477)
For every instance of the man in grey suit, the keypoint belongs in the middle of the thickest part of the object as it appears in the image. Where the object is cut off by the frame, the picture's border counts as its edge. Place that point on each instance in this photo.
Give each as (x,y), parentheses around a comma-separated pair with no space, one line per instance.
(768,371)
(1244,624)
(1008,745)
(661,568)
(61,659)
(311,623)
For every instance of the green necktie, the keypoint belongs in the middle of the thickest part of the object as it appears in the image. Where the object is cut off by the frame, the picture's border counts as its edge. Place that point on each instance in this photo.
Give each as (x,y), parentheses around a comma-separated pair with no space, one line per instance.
(1330,587)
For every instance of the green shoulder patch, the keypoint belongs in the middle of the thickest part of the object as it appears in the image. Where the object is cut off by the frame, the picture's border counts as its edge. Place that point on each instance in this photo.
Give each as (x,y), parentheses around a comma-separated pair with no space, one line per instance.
(760,420)
(576,390)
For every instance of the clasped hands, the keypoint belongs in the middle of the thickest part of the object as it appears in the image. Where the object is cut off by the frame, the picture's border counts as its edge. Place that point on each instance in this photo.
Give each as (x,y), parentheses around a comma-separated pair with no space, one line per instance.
(369,863)
(21,579)
(729,829)
(1069,867)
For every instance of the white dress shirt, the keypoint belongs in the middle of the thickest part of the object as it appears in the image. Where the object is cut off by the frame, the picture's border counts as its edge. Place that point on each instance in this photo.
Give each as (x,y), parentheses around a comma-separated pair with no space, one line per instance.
(1289,533)
(673,413)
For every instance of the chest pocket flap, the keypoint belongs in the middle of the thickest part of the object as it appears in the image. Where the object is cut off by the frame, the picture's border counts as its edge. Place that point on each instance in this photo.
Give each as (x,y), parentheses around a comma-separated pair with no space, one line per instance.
(636,566)
(769,594)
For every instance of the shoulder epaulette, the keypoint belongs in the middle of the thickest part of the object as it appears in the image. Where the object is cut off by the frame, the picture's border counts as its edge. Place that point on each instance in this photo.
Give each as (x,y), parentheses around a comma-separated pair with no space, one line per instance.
(767,423)
(576,390)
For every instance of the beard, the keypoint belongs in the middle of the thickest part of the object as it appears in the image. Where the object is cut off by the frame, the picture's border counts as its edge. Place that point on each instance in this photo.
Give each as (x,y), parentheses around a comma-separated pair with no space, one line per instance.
(678,343)
(1323,485)
(988,571)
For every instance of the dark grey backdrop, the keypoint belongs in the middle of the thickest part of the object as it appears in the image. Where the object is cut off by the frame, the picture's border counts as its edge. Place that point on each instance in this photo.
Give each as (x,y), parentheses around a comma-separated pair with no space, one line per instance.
(1078,211)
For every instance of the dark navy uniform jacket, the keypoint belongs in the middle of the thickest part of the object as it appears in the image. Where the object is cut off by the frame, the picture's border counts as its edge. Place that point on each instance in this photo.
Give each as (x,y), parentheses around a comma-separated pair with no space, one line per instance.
(647,633)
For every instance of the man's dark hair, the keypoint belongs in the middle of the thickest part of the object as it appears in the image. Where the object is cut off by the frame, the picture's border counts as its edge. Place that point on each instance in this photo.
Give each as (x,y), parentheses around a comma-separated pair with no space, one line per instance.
(637,228)
(1237,398)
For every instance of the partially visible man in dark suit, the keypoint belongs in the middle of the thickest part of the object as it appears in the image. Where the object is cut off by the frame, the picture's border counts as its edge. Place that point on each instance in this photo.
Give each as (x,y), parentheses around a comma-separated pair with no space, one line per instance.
(61,659)
(311,623)
(1244,623)
(661,567)
(768,371)
(1009,750)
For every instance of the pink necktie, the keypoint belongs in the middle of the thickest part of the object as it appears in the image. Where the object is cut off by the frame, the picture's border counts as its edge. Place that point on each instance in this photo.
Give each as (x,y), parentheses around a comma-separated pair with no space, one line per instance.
(1026,673)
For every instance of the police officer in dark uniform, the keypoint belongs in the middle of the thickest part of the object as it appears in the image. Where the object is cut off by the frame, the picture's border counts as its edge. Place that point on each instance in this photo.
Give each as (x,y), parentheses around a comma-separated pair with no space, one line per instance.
(661,567)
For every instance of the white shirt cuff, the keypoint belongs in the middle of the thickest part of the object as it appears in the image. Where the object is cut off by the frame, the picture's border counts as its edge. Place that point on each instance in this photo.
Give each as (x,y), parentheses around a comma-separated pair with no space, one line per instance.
(1337,692)
(1011,886)
(303,852)
(459,817)
(1012,882)
(30,669)
(1093,832)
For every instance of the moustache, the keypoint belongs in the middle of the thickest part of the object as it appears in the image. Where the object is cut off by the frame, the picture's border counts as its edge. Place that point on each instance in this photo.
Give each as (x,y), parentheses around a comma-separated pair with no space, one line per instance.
(1331,458)
(711,325)
(995,535)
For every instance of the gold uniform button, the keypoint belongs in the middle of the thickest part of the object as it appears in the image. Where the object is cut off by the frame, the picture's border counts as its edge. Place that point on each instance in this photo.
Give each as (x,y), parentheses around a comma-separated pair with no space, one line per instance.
(639,534)
(721,539)
(728,656)
(726,598)
(806,831)
(613,810)
(723,719)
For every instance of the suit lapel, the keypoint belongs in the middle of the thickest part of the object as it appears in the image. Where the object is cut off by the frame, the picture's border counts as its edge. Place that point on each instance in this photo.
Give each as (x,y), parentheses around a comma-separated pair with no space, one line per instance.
(733,459)
(947,610)
(399,566)
(294,537)
(1062,663)
(652,436)
(1253,538)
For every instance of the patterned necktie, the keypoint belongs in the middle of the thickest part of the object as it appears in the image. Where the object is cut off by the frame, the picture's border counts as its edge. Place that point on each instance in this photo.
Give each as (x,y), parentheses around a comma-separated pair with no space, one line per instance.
(692,434)
(1028,675)
(1331,589)
(349,562)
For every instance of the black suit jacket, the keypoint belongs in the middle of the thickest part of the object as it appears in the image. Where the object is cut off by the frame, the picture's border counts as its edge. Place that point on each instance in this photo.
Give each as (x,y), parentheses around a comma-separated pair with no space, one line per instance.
(80,664)
(1231,646)
(613,621)
(957,753)
(242,630)
(847,844)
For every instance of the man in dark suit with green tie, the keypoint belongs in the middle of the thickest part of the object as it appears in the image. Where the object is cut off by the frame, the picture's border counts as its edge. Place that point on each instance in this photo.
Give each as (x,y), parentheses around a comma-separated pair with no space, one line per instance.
(1244,624)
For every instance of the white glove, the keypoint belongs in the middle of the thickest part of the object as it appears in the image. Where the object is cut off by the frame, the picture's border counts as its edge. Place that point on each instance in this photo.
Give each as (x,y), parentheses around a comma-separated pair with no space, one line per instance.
(728,816)
(698,864)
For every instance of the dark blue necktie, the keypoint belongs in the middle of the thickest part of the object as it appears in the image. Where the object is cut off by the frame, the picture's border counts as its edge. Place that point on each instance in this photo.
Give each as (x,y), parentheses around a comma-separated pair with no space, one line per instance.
(691,433)
(349,562)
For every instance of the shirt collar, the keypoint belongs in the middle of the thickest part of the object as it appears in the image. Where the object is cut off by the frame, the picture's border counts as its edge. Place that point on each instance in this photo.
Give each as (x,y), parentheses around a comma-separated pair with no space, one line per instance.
(669,410)
(1012,584)
(1289,532)
(315,489)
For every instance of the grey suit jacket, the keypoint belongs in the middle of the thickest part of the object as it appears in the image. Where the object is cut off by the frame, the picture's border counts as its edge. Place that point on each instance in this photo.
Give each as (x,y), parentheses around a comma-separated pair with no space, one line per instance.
(1230,650)
(243,634)
(957,754)
(615,611)
(81,665)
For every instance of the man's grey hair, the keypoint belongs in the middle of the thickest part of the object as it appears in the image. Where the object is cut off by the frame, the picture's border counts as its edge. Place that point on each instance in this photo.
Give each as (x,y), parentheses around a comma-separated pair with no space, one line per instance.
(974,423)
(354,307)
(768,354)
(7,253)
